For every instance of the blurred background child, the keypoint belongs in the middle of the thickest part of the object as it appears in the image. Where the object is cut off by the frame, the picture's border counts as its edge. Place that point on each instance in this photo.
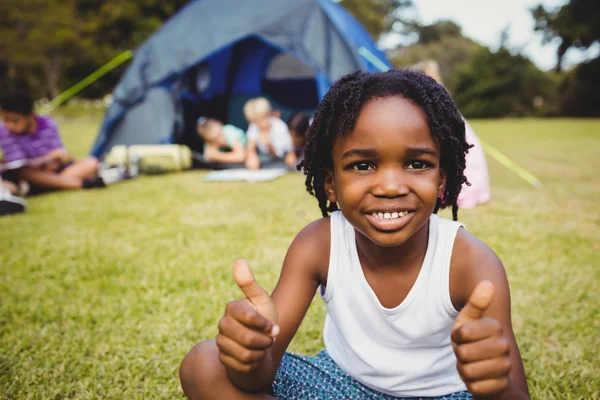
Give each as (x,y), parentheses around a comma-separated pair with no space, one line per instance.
(268,136)
(222,143)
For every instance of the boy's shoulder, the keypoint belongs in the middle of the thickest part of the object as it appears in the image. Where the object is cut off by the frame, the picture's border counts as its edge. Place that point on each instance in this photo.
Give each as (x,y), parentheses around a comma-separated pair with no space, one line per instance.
(317,232)
(472,261)
(45,122)
(313,244)
(469,249)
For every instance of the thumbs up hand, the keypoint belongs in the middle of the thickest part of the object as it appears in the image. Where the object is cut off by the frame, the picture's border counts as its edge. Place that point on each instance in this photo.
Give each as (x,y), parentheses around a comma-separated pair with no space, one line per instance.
(249,326)
(482,352)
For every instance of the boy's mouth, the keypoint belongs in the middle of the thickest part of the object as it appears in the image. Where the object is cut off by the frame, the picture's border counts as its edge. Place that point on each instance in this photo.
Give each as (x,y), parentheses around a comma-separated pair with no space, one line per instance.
(390,215)
(390,220)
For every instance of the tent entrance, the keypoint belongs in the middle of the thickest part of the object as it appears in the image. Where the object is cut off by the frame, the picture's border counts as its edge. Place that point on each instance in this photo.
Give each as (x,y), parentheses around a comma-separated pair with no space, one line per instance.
(219,86)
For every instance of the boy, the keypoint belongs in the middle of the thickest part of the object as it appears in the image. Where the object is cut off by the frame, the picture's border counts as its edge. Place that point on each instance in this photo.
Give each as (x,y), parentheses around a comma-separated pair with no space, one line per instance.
(268,136)
(222,143)
(34,140)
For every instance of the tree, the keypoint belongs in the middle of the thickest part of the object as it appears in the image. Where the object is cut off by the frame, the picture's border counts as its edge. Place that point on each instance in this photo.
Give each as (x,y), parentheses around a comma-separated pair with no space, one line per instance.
(378,16)
(576,24)
(450,53)
(437,31)
(501,84)
(43,39)
(580,90)
(442,42)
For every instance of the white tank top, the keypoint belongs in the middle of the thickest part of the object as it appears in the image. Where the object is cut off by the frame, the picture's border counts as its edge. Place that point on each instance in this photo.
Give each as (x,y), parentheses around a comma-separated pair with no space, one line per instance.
(402,351)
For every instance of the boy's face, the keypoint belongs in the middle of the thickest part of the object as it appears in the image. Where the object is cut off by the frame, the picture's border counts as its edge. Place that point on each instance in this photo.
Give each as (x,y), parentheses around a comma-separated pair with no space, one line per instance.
(214,136)
(386,174)
(17,124)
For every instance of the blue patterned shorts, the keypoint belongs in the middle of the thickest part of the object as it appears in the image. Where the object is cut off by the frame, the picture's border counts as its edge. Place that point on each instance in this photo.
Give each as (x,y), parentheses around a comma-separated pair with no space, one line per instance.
(318,378)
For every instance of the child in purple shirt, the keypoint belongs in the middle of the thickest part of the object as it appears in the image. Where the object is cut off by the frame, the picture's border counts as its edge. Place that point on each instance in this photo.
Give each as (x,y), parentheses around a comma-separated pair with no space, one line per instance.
(33,140)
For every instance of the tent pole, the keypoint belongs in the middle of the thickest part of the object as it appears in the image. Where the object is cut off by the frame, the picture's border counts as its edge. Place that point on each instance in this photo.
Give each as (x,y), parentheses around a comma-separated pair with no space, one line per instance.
(87,81)
(491,151)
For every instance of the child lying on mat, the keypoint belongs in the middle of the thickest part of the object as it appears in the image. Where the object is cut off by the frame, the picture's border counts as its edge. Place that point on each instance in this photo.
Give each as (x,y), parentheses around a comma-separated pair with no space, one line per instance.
(222,143)
(268,136)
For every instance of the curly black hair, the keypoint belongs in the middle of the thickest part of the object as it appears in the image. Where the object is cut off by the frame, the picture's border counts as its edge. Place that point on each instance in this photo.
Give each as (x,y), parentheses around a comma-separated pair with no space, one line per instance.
(336,116)
(17,101)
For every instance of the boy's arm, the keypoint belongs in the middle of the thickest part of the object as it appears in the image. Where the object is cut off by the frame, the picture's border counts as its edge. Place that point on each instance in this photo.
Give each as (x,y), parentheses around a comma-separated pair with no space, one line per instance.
(252,161)
(472,263)
(57,154)
(302,271)
(236,155)
(50,137)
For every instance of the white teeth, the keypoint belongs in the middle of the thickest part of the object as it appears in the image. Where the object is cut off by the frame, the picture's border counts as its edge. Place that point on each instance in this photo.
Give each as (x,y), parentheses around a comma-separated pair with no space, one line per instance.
(388,215)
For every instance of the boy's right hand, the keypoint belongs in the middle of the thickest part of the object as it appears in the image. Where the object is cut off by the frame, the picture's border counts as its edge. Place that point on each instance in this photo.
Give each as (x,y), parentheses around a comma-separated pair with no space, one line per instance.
(61,155)
(249,326)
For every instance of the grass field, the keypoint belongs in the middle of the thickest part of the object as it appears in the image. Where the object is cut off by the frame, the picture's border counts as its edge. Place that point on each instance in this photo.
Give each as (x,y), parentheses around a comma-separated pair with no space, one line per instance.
(103,292)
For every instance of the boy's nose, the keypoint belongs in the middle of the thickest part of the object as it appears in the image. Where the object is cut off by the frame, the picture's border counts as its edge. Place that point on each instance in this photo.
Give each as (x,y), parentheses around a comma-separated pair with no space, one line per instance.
(390,183)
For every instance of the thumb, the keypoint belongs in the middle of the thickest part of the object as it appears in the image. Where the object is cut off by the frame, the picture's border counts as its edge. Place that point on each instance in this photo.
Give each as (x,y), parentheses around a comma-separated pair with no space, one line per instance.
(245,280)
(478,303)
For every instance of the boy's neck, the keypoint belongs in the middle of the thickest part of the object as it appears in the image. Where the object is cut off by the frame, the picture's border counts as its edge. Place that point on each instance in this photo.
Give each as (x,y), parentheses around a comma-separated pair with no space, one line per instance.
(405,256)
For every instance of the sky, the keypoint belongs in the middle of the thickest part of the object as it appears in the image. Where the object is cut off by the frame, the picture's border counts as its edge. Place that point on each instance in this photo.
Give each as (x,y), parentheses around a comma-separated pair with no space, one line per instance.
(484,20)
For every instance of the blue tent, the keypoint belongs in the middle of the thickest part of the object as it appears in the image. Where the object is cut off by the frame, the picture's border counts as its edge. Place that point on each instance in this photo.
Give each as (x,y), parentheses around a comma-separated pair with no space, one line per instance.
(213,55)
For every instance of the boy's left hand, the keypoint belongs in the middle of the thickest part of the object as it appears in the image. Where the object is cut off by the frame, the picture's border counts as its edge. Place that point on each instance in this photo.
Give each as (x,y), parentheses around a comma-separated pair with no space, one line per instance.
(482,351)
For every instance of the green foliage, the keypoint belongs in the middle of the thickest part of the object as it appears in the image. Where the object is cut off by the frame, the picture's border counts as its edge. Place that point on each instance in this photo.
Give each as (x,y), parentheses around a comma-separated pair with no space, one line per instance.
(103,292)
(378,16)
(580,90)
(450,52)
(52,44)
(501,84)
(437,31)
(577,24)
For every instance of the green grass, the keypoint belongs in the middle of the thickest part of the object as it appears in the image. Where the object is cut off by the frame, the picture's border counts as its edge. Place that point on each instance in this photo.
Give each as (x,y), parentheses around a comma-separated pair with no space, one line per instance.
(103,292)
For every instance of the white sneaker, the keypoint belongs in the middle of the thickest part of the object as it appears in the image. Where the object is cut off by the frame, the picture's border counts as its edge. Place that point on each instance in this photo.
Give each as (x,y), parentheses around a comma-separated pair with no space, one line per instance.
(113,175)
(10,204)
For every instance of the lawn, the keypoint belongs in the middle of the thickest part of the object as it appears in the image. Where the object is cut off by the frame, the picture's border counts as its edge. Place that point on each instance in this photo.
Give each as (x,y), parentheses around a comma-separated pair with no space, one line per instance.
(103,292)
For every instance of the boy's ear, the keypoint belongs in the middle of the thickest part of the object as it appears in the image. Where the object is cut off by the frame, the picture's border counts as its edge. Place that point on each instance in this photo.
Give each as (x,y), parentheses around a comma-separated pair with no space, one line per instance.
(442,185)
(329,187)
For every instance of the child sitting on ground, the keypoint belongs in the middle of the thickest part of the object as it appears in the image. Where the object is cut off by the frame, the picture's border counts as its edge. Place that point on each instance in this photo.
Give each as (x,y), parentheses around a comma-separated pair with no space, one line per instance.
(268,136)
(34,139)
(222,143)
(417,307)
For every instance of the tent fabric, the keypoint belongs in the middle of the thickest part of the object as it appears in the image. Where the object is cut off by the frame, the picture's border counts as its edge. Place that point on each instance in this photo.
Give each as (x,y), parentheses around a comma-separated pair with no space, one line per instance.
(215,50)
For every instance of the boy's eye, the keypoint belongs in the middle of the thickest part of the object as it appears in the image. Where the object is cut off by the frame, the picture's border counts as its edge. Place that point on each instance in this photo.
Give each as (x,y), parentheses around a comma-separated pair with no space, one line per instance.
(362,166)
(416,164)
